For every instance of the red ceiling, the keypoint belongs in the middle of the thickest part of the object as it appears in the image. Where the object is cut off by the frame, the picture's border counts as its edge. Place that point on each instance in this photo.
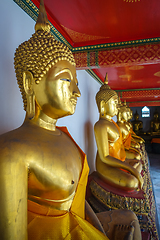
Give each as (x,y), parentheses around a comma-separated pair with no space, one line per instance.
(132,77)
(109,20)
(117,23)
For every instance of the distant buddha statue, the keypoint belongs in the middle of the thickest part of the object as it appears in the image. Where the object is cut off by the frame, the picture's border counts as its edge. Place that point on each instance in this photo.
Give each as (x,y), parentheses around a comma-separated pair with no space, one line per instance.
(131,146)
(137,124)
(111,162)
(43,173)
(155,123)
(129,125)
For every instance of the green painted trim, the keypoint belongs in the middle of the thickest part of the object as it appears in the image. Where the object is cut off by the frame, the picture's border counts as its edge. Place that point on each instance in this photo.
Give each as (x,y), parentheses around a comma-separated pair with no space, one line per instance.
(88,59)
(135,90)
(32,11)
(144,102)
(117,45)
(92,74)
(96,59)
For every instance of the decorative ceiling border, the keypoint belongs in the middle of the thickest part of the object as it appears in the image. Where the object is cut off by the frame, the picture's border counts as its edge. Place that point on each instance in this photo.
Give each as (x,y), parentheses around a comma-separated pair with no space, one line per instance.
(115,45)
(145,93)
(29,7)
(144,103)
(118,57)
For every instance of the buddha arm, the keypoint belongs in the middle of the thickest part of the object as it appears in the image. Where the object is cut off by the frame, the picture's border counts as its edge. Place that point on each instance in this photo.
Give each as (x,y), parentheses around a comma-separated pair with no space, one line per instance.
(101,136)
(13,197)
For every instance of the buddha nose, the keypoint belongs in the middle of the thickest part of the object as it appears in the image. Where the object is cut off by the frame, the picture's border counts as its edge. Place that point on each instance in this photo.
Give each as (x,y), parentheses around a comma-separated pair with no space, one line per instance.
(76,91)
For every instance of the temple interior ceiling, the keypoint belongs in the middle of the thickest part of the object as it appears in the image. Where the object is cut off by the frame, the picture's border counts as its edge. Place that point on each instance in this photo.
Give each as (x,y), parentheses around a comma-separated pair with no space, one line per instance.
(120,37)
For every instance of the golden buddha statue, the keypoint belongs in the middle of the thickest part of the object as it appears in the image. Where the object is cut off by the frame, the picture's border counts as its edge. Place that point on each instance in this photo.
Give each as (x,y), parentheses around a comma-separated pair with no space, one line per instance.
(155,124)
(129,125)
(131,146)
(137,124)
(43,173)
(111,162)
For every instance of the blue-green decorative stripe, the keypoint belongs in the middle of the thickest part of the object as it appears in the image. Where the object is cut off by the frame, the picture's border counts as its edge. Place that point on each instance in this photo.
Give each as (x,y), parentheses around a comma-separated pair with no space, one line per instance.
(32,11)
(116,45)
(135,90)
(88,59)
(92,74)
(145,102)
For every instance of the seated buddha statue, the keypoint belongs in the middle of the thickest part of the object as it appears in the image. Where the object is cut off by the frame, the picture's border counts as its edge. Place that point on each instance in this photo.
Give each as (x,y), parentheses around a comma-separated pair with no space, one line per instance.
(111,162)
(131,146)
(129,125)
(43,173)
(155,124)
(137,124)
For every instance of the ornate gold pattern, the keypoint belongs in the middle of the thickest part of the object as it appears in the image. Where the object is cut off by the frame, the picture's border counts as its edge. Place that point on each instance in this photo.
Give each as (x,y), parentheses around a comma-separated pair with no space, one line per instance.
(81,37)
(121,57)
(131,1)
(142,94)
(136,67)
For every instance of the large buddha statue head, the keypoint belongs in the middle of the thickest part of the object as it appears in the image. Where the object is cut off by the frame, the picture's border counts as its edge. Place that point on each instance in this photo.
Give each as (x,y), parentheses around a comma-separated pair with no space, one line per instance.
(107,100)
(46,73)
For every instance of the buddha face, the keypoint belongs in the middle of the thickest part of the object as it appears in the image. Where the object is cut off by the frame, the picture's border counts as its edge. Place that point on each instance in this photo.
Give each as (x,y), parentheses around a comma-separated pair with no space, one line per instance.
(111,107)
(125,114)
(56,94)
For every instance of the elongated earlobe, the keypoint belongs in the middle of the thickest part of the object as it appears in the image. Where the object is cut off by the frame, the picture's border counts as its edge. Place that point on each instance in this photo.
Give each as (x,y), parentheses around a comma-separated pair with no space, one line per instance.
(102,108)
(28,87)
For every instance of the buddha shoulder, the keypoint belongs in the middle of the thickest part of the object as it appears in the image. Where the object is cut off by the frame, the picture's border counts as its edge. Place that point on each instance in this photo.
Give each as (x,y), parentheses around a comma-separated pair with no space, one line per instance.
(102,123)
(33,145)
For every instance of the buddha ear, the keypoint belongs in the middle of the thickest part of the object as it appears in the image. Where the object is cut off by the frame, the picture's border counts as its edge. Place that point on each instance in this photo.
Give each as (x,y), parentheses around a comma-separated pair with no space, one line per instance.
(102,103)
(28,82)
(28,87)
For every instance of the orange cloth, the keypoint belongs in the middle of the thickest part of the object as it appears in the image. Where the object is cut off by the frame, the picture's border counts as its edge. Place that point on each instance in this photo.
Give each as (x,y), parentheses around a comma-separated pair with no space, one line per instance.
(127,141)
(117,150)
(45,223)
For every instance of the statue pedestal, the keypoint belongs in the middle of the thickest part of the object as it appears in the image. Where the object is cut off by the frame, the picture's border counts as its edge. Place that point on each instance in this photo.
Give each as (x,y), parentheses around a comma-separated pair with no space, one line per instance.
(103,197)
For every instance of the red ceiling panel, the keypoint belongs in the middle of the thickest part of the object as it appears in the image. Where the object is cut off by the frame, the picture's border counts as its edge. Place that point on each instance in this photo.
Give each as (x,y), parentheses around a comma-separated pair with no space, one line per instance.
(118,28)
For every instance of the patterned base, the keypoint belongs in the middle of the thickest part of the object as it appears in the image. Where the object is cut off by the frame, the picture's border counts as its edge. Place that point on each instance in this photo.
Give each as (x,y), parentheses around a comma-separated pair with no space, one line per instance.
(103,197)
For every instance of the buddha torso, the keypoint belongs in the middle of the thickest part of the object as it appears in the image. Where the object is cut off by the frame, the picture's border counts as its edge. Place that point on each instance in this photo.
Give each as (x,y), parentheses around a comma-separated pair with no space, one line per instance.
(112,131)
(53,172)
(155,125)
(124,129)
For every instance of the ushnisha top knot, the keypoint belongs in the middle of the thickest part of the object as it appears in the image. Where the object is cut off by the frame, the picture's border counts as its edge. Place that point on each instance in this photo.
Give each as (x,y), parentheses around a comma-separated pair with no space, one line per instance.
(42,20)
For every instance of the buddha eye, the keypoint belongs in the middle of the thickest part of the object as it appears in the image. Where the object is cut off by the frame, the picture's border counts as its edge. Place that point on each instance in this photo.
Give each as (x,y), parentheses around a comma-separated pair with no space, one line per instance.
(66,79)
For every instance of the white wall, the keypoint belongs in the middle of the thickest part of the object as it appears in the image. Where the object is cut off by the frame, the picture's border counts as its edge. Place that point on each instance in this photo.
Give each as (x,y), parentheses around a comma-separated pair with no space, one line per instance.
(16,27)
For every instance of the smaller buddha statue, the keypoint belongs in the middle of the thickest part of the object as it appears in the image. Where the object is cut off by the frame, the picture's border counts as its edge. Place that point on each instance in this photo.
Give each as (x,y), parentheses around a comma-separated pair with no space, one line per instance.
(111,162)
(155,124)
(129,125)
(132,148)
(137,124)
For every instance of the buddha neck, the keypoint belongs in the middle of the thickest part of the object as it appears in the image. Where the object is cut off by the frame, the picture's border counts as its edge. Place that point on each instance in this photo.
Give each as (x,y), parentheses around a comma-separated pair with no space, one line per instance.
(43,121)
(105,116)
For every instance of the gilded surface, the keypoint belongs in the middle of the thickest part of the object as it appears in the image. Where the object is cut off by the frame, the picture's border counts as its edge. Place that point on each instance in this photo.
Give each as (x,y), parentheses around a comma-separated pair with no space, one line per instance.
(111,162)
(43,173)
